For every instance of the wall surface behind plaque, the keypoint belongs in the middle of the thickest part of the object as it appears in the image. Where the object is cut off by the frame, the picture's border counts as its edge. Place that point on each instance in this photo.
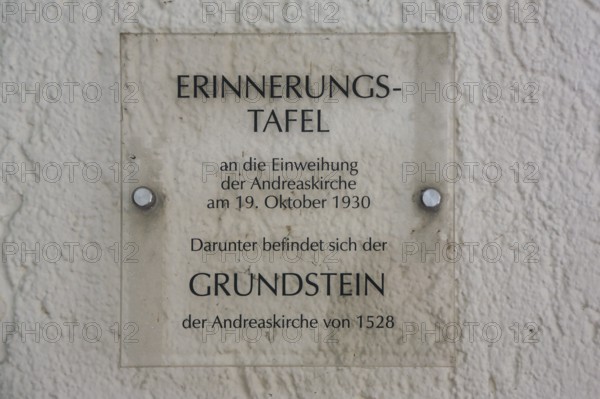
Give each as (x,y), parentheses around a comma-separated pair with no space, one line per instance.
(544,59)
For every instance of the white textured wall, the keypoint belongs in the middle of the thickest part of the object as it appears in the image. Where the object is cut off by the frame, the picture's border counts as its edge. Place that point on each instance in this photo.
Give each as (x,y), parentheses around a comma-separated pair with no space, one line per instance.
(560,214)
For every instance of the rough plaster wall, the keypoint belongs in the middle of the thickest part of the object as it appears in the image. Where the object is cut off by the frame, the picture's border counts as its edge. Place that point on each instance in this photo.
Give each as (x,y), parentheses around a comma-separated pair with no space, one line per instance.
(560,213)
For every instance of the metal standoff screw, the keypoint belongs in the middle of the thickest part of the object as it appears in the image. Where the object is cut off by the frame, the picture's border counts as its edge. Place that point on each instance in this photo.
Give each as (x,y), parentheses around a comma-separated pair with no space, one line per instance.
(431,198)
(143,197)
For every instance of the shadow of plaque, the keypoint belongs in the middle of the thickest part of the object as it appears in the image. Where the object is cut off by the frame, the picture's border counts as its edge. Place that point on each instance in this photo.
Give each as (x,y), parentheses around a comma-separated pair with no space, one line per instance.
(288,227)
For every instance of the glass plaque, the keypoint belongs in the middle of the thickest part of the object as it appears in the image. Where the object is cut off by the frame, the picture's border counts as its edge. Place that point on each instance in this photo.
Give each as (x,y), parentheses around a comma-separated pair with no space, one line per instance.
(283,202)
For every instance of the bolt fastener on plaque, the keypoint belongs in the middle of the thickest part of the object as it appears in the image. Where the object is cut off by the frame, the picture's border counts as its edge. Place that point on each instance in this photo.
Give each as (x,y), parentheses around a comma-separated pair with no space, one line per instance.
(431,198)
(143,197)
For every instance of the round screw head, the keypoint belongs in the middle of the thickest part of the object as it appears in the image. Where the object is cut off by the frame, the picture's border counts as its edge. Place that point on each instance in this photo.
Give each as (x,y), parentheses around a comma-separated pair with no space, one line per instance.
(143,197)
(431,198)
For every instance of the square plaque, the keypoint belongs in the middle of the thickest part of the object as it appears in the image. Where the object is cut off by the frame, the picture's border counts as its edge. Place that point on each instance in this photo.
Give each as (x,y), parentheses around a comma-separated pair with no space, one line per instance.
(272,214)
